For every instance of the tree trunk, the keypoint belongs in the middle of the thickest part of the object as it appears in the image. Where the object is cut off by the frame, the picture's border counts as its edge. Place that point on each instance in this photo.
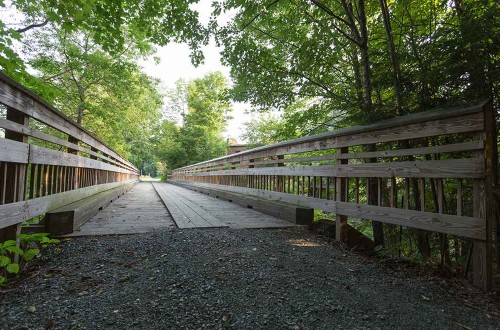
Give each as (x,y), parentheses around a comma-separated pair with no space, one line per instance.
(393,57)
(475,58)
(364,59)
(423,244)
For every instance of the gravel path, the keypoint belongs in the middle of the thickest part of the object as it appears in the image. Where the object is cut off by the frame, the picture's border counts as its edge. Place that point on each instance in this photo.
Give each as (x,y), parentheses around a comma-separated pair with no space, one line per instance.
(225,278)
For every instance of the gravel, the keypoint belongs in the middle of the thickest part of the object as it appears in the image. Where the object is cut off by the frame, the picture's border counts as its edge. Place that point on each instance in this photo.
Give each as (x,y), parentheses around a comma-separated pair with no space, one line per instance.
(225,278)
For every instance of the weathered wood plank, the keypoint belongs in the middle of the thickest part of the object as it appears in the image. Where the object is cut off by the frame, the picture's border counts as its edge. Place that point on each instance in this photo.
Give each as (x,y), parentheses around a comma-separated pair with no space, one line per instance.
(456,147)
(457,120)
(12,126)
(279,209)
(293,199)
(296,160)
(227,213)
(68,218)
(40,155)
(16,96)
(451,168)
(185,213)
(13,151)
(442,223)
(140,210)
(14,213)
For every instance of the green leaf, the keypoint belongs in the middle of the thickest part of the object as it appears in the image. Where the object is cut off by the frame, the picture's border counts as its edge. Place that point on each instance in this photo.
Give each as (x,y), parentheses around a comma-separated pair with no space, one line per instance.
(12,268)
(30,254)
(15,249)
(4,261)
(2,280)
(9,243)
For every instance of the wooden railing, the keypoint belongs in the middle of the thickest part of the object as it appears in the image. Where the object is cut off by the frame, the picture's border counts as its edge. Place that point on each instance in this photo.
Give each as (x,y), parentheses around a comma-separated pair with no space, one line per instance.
(47,160)
(433,171)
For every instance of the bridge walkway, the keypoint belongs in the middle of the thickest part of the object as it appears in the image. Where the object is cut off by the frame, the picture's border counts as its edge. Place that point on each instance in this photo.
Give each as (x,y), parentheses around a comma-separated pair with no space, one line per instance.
(154,205)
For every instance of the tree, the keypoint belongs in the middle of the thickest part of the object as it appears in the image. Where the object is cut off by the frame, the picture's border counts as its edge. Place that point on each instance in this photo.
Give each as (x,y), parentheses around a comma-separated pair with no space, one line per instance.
(356,62)
(115,25)
(200,137)
(107,94)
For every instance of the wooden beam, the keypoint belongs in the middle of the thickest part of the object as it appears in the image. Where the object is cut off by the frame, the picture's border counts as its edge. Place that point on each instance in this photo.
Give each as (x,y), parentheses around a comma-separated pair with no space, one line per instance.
(14,213)
(450,168)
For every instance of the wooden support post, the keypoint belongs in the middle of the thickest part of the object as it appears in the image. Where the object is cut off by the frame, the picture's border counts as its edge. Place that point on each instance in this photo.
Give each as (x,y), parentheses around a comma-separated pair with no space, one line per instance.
(372,199)
(280,179)
(15,185)
(341,196)
(483,203)
(76,172)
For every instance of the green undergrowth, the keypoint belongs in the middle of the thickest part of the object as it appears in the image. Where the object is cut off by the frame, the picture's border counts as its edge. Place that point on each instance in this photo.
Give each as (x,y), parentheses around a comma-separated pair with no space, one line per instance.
(14,255)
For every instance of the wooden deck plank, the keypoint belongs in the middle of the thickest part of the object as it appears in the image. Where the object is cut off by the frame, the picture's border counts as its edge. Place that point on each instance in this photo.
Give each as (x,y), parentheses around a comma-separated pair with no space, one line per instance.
(138,211)
(183,216)
(212,210)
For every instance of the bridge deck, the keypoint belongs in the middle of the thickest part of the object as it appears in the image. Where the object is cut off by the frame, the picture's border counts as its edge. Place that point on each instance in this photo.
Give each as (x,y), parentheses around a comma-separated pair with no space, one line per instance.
(143,210)
(138,211)
(194,210)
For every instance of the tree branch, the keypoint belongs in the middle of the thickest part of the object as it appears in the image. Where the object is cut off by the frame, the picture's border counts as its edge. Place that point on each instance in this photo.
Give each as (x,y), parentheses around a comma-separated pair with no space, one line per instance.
(256,16)
(32,26)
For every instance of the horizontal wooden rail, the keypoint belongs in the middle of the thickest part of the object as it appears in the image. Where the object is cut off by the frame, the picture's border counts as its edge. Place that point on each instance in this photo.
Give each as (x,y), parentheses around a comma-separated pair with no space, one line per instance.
(431,171)
(47,160)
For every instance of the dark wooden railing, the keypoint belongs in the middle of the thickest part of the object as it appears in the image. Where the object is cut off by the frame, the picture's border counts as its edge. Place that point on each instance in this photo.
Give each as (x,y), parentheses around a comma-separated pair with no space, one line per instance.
(433,171)
(47,160)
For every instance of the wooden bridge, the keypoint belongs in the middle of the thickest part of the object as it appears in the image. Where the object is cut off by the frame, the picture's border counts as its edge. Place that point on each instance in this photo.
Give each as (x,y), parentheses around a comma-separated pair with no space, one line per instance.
(402,171)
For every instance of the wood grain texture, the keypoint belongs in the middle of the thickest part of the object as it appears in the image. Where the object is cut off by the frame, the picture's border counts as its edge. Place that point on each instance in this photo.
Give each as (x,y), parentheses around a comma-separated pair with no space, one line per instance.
(442,223)
(140,210)
(67,219)
(13,151)
(228,213)
(14,213)
(184,211)
(455,120)
(456,147)
(289,212)
(453,168)
(11,126)
(16,96)
(293,199)
(472,227)
(40,155)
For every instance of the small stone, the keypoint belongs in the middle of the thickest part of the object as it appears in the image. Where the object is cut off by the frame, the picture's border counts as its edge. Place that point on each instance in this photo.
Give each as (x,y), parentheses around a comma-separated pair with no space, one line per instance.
(31,309)
(124,278)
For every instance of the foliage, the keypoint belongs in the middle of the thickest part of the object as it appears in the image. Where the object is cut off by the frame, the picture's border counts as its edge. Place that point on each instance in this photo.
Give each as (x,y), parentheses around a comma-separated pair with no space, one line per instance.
(343,63)
(28,248)
(200,136)
(283,52)
(113,24)
(108,95)
(83,56)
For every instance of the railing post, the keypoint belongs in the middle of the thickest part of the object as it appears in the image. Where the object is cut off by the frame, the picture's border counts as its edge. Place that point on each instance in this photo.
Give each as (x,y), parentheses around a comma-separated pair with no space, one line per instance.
(15,189)
(341,196)
(483,202)
(76,172)
(280,178)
